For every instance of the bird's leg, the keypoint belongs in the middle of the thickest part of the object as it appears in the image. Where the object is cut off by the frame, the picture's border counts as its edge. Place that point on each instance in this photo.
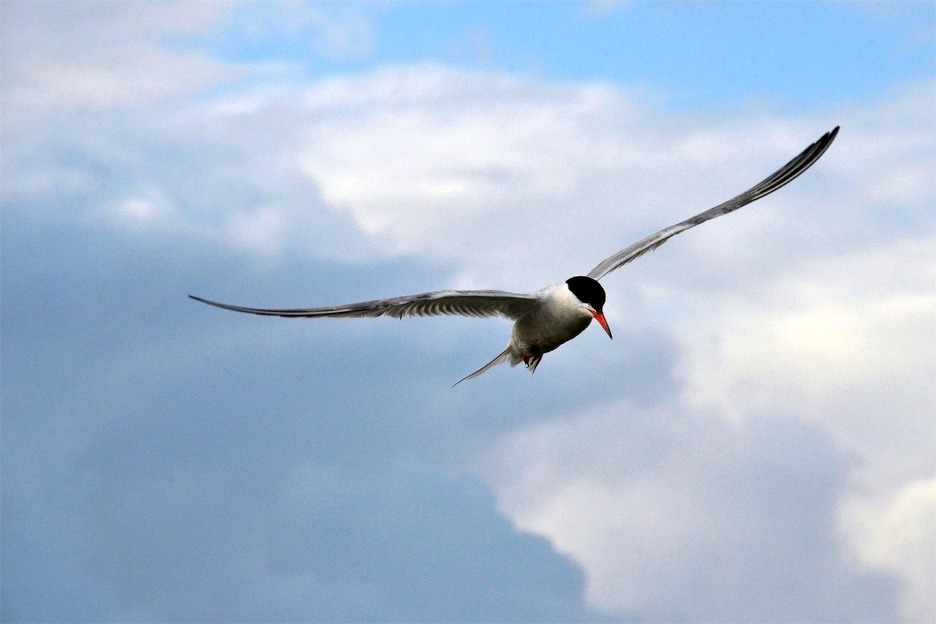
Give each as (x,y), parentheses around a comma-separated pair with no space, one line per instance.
(531,361)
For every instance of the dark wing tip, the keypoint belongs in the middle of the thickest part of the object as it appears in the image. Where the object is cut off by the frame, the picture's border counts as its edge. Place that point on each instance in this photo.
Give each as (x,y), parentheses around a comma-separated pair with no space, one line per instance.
(227,306)
(821,145)
(199,299)
(826,139)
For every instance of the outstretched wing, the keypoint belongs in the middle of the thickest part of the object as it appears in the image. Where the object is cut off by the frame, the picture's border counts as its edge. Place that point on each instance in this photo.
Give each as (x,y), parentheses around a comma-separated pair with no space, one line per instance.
(778,179)
(477,303)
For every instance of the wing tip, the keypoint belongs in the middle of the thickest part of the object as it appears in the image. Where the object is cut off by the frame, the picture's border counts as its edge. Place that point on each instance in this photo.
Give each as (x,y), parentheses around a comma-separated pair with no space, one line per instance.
(202,300)
(829,136)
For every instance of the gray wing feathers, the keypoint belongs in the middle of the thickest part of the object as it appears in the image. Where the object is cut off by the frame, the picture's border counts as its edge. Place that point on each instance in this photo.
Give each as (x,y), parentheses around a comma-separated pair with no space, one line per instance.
(775,181)
(476,303)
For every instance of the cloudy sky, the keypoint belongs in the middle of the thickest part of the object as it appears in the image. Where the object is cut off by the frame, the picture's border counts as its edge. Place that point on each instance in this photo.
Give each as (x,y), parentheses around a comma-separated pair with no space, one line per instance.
(756,444)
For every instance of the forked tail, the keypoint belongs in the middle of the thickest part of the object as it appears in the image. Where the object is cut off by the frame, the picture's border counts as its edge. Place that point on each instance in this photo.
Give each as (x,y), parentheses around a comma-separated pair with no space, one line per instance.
(503,357)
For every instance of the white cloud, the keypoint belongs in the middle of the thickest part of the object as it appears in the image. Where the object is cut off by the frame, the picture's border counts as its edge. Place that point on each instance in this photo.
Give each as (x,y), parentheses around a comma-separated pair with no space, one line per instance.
(139,212)
(824,318)
(840,339)
(679,514)
(809,308)
(897,534)
(337,31)
(66,57)
(845,344)
(342,35)
(427,158)
(488,172)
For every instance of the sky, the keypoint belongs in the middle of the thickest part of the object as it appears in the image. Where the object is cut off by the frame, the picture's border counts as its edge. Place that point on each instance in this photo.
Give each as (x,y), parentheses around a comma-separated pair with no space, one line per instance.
(757,443)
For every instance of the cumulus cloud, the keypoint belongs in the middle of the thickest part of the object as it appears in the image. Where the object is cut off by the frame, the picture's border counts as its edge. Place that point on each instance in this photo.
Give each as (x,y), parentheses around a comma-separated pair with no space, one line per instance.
(897,534)
(141,484)
(680,515)
(818,330)
(757,448)
(100,57)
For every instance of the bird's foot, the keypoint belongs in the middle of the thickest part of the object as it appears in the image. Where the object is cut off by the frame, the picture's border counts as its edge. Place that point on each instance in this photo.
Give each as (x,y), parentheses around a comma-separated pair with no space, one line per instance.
(531,361)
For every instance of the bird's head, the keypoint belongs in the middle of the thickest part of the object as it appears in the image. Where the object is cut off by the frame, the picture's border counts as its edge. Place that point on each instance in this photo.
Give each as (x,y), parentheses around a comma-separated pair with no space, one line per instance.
(592,296)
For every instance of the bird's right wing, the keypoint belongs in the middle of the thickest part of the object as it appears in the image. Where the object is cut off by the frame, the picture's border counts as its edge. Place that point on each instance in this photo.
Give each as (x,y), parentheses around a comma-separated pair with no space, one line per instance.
(776,180)
(477,303)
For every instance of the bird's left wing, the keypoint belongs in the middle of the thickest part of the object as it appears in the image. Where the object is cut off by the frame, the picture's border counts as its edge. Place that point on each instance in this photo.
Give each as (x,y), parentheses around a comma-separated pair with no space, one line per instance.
(477,303)
(778,179)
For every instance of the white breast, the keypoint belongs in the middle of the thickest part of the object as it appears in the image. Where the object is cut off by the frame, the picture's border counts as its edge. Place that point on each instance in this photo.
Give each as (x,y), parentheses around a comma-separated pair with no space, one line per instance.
(560,318)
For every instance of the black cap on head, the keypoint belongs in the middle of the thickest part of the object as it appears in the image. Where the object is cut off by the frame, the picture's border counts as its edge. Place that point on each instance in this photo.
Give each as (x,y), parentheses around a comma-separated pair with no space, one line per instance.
(588,291)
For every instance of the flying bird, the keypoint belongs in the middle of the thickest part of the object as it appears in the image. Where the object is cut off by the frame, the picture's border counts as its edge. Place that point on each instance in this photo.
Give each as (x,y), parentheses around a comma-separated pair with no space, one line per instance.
(549,317)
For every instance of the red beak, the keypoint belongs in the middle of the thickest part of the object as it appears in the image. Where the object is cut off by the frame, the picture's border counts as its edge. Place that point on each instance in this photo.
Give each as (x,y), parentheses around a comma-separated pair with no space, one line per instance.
(600,317)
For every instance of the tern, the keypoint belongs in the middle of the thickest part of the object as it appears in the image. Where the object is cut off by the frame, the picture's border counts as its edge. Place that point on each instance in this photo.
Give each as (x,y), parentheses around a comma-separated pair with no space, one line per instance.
(549,317)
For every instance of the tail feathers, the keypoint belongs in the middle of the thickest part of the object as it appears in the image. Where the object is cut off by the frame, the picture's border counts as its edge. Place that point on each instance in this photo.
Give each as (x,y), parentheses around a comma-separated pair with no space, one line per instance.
(500,359)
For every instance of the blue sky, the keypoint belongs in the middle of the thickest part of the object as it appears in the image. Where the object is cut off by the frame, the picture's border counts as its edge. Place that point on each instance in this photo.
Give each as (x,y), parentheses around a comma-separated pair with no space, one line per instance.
(756,444)
(695,56)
